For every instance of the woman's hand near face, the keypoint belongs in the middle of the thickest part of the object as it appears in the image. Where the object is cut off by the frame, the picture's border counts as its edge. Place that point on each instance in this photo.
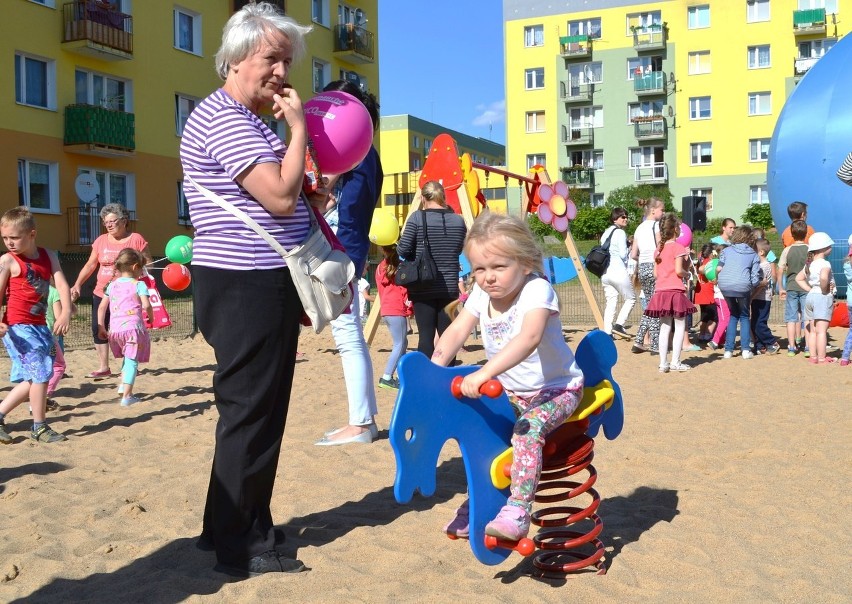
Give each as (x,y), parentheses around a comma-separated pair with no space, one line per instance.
(288,106)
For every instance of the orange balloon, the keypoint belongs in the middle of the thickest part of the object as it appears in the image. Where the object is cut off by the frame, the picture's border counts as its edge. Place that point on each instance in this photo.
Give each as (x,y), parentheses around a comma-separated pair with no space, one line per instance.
(176,277)
(558,205)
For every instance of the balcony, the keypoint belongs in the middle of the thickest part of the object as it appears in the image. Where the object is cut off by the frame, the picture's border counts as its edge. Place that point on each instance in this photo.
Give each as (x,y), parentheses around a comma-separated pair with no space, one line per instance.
(94,130)
(652,37)
(354,44)
(649,84)
(576,93)
(809,22)
(84,224)
(575,47)
(651,174)
(578,177)
(575,137)
(803,64)
(93,30)
(649,128)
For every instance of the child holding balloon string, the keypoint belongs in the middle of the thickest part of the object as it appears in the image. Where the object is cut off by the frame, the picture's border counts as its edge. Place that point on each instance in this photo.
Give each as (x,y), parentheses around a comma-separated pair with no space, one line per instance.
(126,298)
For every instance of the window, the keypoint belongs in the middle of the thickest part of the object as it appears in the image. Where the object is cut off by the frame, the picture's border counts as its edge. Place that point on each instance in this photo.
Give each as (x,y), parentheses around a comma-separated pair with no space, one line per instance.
(38,185)
(644,109)
(415,163)
(815,48)
(182,206)
(586,117)
(588,159)
(706,194)
(758,194)
(96,89)
(416,144)
(187,30)
(757,10)
(701,153)
(427,145)
(758,149)
(758,57)
(535,159)
(638,66)
(354,77)
(49,3)
(183,107)
(534,78)
(585,73)
(698,17)
(759,103)
(597,200)
(35,81)
(277,126)
(651,20)
(645,156)
(535,121)
(320,12)
(699,108)
(534,35)
(115,187)
(586,27)
(830,6)
(699,62)
(322,74)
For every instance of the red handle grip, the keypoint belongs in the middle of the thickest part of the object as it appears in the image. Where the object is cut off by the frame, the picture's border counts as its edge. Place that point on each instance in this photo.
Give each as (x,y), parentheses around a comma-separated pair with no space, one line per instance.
(491,388)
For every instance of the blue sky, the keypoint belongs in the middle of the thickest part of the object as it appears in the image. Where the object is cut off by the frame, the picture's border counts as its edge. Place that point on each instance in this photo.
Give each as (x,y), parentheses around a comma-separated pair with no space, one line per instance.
(464,36)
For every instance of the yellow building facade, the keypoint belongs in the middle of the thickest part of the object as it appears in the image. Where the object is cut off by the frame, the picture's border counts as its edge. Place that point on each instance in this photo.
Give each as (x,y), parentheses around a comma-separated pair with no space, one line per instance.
(94,108)
(683,93)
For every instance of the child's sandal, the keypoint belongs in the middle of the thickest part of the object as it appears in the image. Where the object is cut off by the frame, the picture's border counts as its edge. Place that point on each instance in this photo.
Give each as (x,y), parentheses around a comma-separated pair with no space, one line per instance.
(828,360)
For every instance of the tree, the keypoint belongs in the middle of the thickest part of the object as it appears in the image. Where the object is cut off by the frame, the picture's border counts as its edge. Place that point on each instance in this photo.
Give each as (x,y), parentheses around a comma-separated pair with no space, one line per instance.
(758,215)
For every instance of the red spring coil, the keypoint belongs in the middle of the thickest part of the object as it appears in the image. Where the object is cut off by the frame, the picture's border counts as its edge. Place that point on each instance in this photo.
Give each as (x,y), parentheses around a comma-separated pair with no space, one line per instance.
(559,550)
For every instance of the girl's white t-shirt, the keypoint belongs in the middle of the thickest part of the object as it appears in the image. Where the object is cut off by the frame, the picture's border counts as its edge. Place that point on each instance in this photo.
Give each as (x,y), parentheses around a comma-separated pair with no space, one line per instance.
(552,364)
(815,269)
(646,241)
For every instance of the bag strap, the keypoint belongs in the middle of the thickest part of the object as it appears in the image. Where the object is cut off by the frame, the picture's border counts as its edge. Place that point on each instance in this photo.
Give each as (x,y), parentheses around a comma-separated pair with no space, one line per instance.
(425,232)
(606,243)
(248,220)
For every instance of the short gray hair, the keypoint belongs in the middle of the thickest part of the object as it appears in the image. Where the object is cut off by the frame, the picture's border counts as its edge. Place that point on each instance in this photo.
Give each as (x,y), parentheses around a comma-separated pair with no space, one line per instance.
(246,28)
(115,208)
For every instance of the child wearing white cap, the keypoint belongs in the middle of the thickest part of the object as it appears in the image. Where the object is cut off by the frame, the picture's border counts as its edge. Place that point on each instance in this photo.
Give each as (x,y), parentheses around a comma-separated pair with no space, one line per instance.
(816,279)
(847,270)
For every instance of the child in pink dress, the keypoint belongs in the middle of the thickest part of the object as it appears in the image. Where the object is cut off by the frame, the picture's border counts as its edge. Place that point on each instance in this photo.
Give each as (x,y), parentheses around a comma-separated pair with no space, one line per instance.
(126,298)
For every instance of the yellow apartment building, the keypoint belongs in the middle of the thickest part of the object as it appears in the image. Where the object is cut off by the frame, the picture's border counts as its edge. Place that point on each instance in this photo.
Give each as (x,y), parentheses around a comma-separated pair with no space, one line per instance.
(93,110)
(684,93)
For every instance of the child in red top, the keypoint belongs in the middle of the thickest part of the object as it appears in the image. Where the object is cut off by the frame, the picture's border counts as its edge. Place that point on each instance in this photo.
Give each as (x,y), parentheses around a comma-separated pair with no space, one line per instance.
(25,273)
(395,308)
(704,296)
(669,301)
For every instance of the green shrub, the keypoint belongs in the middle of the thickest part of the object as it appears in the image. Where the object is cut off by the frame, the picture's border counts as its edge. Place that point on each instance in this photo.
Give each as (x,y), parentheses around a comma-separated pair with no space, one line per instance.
(758,215)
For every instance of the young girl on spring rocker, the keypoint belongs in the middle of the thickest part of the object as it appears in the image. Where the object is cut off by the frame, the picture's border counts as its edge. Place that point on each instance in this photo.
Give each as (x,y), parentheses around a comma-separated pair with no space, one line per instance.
(669,301)
(816,278)
(126,298)
(518,314)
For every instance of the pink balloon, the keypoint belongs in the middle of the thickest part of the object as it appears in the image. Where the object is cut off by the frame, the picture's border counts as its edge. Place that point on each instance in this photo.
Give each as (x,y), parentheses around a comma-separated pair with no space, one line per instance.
(570,210)
(685,237)
(544,213)
(340,130)
(560,223)
(561,188)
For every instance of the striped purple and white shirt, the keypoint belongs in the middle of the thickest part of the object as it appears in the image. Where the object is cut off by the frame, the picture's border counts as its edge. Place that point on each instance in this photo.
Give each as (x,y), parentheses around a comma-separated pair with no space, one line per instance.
(220,140)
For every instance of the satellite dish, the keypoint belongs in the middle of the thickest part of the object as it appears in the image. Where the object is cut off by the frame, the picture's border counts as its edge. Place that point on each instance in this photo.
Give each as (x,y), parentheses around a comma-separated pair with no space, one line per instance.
(87,188)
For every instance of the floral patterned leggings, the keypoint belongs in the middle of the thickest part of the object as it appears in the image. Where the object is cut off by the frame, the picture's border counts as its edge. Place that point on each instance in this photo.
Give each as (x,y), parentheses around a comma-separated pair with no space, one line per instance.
(648,324)
(538,416)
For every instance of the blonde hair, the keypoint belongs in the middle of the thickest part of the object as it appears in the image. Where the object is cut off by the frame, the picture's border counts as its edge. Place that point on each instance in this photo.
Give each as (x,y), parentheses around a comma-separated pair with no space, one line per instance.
(649,204)
(20,218)
(434,191)
(508,234)
(127,258)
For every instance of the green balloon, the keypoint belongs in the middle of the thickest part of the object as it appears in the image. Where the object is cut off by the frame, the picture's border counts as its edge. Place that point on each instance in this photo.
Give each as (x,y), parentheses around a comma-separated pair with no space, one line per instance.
(179,249)
(710,269)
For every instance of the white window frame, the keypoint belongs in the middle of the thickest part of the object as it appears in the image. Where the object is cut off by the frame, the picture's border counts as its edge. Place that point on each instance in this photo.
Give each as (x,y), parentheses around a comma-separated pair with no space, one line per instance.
(597,200)
(694,14)
(646,65)
(754,8)
(21,59)
(756,100)
(535,159)
(644,20)
(700,68)
(644,109)
(318,66)
(196,30)
(585,73)
(754,53)
(830,6)
(592,159)
(533,35)
(124,102)
(647,154)
(816,49)
(758,149)
(585,27)
(25,166)
(706,194)
(758,194)
(701,154)
(586,117)
(532,81)
(695,108)
(324,17)
(184,104)
(106,195)
(532,121)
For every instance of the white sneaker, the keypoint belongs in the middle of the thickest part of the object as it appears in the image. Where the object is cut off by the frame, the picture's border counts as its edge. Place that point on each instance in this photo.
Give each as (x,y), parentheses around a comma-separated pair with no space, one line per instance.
(680,367)
(664,368)
(748,354)
(728,354)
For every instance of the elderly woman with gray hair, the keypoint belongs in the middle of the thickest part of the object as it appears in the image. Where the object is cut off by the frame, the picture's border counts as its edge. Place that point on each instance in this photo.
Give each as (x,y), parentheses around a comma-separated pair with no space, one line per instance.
(105,248)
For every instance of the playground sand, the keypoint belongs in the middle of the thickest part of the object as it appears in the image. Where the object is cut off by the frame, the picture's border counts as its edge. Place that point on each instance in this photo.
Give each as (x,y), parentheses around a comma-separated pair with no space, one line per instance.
(728,484)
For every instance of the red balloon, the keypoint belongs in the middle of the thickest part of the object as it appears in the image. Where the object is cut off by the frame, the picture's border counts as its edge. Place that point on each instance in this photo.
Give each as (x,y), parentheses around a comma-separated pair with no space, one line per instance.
(176,277)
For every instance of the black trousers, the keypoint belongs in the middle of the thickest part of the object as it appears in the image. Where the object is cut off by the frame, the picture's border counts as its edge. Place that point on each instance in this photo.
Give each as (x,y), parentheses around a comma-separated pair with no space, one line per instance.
(431,318)
(251,319)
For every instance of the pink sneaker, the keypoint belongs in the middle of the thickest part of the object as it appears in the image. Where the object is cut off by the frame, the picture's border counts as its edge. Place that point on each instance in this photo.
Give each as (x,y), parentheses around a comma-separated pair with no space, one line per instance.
(459,526)
(511,524)
(844,362)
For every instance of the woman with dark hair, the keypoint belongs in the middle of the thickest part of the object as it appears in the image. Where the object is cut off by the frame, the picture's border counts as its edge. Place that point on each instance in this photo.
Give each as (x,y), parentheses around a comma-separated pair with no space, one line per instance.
(616,280)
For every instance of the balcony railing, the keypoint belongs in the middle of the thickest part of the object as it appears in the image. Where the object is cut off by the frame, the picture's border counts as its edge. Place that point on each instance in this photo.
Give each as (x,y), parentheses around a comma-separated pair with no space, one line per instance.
(355,42)
(653,173)
(84,223)
(575,47)
(577,93)
(650,83)
(579,177)
(578,136)
(803,64)
(810,21)
(93,29)
(652,37)
(94,129)
(649,128)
